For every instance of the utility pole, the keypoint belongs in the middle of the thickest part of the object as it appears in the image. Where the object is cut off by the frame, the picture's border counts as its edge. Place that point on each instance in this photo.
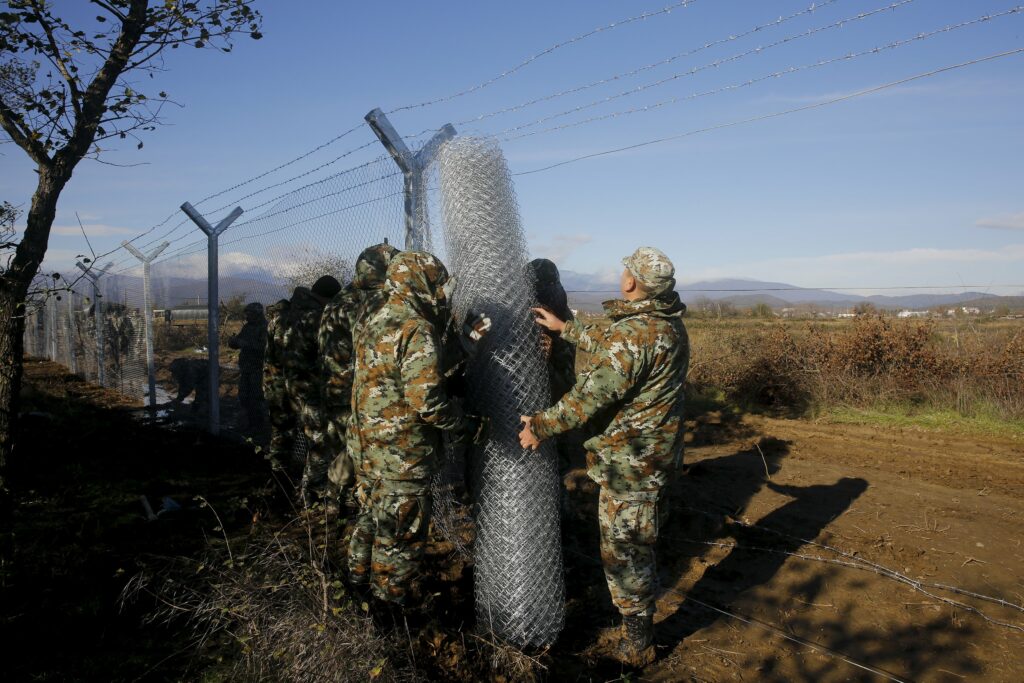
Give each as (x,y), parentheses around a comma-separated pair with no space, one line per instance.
(212,303)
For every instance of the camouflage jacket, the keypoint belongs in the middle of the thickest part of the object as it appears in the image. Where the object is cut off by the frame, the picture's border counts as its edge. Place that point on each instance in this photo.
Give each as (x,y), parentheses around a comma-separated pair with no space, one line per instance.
(300,357)
(273,365)
(638,369)
(252,342)
(341,315)
(399,403)
(334,341)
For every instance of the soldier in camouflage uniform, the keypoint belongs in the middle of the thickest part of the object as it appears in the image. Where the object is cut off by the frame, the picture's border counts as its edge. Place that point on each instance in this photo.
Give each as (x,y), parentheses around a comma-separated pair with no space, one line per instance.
(638,368)
(282,419)
(251,341)
(399,409)
(303,381)
(361,298)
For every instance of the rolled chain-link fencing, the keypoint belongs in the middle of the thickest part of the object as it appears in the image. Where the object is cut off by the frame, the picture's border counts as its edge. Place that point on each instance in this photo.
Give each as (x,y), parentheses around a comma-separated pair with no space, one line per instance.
(519,584)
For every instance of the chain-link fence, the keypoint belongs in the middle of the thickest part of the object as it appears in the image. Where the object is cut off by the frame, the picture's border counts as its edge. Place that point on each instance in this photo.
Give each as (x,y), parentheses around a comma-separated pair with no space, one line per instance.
(115,317)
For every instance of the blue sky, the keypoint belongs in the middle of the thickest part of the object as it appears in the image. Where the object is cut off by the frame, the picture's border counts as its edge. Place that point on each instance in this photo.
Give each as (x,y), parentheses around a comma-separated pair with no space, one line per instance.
(917,185)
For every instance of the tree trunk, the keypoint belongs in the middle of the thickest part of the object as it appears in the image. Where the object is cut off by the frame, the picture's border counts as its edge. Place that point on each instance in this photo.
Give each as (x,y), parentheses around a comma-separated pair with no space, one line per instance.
(14,287)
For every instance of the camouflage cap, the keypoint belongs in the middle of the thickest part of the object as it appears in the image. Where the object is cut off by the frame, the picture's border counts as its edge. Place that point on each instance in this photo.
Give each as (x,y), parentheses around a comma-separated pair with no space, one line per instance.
(652,269)
(419,278)
(372,266)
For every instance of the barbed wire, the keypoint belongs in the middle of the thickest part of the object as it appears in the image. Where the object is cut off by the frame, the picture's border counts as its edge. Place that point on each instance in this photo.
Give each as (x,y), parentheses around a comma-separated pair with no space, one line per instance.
(760,49)
(479,86)
(765,117)
(719,62)
(735,86)
(557,46)
(626,74)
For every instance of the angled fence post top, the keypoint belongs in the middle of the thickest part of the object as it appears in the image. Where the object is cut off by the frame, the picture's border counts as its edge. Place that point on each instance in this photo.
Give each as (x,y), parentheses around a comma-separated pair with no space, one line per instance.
(143,257)
(204,225)
(94,273)
(413,166)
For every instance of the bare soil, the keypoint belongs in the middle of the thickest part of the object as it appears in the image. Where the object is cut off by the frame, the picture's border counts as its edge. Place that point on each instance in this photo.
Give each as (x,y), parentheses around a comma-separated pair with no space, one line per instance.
(751,592)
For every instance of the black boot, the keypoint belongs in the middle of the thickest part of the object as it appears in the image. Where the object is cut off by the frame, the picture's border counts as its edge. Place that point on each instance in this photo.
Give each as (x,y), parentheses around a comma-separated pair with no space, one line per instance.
(636,648)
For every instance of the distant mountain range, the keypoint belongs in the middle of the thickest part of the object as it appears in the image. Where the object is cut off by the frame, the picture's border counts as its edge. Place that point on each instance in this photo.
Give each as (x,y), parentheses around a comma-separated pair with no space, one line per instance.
(588,291)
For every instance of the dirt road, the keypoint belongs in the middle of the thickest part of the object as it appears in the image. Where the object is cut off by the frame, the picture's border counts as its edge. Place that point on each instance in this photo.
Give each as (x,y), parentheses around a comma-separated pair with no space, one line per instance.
(928,509)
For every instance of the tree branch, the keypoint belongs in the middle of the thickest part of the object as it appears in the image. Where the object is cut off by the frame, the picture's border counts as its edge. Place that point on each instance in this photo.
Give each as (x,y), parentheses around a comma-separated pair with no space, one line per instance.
(22,138)
(58,61)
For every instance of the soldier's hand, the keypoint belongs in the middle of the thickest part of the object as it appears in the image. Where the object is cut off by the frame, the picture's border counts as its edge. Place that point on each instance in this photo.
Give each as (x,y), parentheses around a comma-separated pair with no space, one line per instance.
(476,326)
(548,320)
(527,439)
(483,430)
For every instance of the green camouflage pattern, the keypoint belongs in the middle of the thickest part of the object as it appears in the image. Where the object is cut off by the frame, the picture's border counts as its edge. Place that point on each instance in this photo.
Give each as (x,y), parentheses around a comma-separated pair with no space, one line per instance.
(652,269)
(399,409)
(638,368)
(399,402)
(389,537)
(304,386)
(629,533)
(282,419)
(364,295)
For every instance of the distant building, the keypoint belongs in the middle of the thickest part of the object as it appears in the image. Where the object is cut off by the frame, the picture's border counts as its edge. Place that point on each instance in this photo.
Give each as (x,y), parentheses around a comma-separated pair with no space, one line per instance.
(912,314)
(846,315)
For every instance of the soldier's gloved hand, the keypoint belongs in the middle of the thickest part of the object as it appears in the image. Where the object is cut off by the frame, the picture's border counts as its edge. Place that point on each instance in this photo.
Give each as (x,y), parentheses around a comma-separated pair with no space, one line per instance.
(474,328)
(475,433)
(545,346)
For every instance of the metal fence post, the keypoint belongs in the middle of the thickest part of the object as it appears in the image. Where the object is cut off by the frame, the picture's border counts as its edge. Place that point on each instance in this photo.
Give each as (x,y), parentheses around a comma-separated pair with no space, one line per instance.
(147,312)
(51,329)
(72,357)
(213,303)
(413,166)
(94,275)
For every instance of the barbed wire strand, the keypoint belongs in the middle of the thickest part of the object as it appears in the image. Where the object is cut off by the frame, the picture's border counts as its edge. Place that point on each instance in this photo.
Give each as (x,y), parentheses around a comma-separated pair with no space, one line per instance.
(504,74)
(505,134)
(753,621)
(693,71)
(765,117)
(531,59)
(627,74)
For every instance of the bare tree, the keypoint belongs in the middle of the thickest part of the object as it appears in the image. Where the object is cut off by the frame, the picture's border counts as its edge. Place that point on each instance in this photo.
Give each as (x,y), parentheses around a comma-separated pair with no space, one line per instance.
(66,89)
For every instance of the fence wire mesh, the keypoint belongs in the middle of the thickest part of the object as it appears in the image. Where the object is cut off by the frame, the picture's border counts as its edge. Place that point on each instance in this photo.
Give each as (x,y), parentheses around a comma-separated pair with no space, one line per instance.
(98,330)
(518,558)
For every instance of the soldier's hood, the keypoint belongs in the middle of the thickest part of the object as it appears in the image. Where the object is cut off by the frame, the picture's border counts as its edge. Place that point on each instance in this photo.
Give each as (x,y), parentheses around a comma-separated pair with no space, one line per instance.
(372,266)
(665,305)
(303,299)
(417,279)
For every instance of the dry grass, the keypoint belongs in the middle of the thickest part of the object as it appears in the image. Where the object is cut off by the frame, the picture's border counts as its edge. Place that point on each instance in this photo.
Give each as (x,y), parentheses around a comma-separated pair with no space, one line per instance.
(866,363)
(269,605)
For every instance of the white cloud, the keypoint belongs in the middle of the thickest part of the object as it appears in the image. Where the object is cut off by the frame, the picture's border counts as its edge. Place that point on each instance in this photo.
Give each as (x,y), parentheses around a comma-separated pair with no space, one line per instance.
(91,229)
(1005,221)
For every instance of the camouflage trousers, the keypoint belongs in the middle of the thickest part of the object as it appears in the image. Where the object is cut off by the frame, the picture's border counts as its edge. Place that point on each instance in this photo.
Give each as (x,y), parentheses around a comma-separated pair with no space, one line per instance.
(629,532)
(283,424)
(314,472)
(390,536)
